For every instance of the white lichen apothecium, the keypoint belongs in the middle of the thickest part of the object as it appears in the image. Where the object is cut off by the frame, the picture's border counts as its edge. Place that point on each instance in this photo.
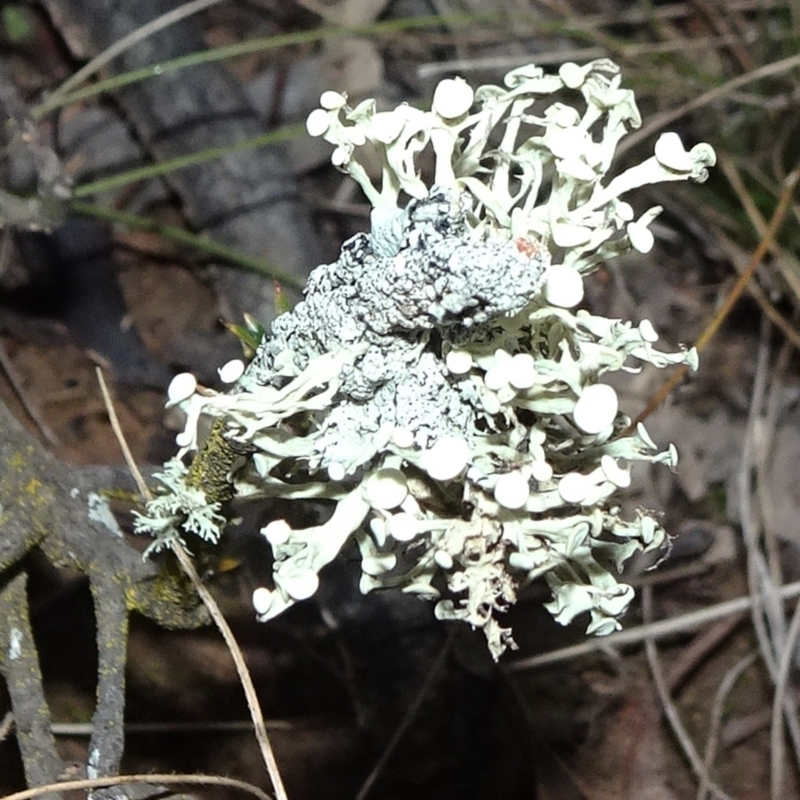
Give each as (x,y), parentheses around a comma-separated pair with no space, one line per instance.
(438,383)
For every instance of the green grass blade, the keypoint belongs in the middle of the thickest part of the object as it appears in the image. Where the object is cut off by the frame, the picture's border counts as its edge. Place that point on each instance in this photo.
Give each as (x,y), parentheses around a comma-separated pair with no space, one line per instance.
(245,48)
(182,162)
(175,234)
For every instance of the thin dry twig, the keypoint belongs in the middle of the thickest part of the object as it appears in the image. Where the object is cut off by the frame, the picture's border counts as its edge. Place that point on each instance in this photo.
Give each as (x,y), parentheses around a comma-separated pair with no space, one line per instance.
(241,667)
(410,716)
(590,25)
(30,409)
(213,609)
(661,121)
(777,743)
(670,710)
(738,258)
(697,650)
(120,780)
(774,404)
(151,728)
(623,51)
(144,489)
(768,618)
(654,630)
(717,709)
(722,24)
(765,610)
(733,296)
(126,42)
(729,168)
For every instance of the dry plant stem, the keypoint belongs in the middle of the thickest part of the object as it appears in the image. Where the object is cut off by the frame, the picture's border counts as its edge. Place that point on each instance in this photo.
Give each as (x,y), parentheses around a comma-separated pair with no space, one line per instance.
(739,260)
(695,653)
(757,220)
(733,296)
(23,678)
(717,709)
(660,121)
(213,609)
(740,728)
(149,778)
(773,407)
(587,27)
(776,738)
(627,53)
(670,711)
(126,42)
(722,26)
(156,728)
(758,576)
(120,436)
(410,716)
(31,410)
(772,639)
(241,668)
(653,630)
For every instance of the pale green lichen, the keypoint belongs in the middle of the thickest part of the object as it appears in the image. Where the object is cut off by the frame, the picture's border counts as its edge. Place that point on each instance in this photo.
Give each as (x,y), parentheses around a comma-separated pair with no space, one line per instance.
(437,382)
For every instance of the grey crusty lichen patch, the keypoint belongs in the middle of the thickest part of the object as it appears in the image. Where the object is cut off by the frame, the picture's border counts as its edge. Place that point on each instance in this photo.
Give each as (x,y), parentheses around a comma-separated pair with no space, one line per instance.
(438,284)
(440,278)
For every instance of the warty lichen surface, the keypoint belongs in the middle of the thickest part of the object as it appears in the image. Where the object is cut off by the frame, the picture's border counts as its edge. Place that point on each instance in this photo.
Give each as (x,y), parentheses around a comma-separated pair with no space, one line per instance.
(440,282)
(441,277)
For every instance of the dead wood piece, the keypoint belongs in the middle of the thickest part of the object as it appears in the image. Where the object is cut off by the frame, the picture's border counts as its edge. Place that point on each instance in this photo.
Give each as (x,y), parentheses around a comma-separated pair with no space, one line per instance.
(32,169)
(249,199)
(19,666)
(49,505)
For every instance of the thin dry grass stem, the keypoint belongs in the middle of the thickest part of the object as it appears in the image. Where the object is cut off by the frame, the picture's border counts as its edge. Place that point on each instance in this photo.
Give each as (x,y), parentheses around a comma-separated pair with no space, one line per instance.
(148,778)
(155,728)
(775,403)
(410,716)
(241,668)
(721,23)
(647,12)
(765,244)
(30,409)
(717,709)
(126,42)
(758,222)
(589,27)
(729,302)
(660,121)
(761,585)
(776,737)
(670,710)
(213,609)
(738,258)
(144,489)
(741,727)
(654,630)
(767,614)
(697,650)
(595,34)
(773,406)
(625,53)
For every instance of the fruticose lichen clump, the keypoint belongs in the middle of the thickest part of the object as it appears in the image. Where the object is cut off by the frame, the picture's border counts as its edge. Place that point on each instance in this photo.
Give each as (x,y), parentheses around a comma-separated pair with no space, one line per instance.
(438,382)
